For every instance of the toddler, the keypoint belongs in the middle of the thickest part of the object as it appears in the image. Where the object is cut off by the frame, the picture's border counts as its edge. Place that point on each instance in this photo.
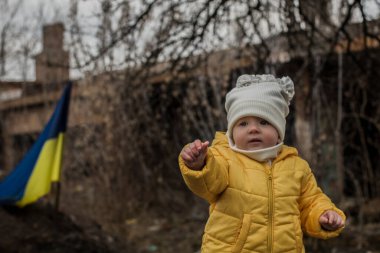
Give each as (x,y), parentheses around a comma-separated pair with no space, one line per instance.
(262,195)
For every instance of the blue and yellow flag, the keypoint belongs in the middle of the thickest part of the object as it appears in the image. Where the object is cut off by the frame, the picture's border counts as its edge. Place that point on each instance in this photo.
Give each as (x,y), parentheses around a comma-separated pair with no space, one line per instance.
(32,177)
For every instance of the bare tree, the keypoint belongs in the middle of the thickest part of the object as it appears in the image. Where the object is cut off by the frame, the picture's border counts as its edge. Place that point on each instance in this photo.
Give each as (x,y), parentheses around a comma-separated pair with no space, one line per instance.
(8,32)
(161,31)
(19,38)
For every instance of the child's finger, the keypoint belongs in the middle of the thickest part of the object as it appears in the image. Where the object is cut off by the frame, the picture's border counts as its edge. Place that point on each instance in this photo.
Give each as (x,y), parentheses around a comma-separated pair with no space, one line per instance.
(337,219)
(186,155)
(189,152)
(340,222)
(198,144)
(204,146)
(194,149)
(328,217)
(323,219)
(331,216)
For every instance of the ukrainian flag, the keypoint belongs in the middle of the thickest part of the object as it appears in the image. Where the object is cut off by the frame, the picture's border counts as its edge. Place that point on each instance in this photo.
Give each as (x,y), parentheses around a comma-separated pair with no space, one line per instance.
(32,177)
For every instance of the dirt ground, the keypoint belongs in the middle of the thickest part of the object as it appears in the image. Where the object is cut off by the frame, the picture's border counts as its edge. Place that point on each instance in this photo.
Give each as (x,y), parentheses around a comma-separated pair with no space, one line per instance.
(41,229)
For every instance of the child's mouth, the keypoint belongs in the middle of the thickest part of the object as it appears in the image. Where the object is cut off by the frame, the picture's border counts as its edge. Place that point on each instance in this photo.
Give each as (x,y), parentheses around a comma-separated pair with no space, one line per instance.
(254,141)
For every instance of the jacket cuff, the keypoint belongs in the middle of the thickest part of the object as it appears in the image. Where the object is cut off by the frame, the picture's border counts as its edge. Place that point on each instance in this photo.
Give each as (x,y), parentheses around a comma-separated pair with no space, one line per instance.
(317,230)
(187,171)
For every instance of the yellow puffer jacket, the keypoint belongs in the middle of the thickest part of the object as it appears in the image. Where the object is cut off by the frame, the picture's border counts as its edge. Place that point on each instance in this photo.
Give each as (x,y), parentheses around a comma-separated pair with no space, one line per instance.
(255,207)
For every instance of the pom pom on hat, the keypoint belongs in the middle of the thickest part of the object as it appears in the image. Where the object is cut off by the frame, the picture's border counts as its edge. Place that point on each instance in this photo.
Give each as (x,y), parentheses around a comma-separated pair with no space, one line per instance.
(261,96)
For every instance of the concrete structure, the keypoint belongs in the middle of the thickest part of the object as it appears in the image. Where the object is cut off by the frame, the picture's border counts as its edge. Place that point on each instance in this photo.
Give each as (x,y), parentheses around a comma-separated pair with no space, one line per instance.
(52,64)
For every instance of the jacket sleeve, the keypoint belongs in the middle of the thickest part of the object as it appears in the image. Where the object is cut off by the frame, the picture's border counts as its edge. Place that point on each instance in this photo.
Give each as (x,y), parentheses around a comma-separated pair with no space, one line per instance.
(313,203)
(209,182)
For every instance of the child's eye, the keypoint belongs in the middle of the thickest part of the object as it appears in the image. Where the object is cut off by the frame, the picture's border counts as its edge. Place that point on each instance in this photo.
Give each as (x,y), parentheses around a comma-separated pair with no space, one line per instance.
(264,122)
(243,123)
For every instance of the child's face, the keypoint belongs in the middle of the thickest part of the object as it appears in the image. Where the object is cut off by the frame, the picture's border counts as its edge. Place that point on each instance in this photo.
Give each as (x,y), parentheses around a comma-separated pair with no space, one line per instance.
(253,133)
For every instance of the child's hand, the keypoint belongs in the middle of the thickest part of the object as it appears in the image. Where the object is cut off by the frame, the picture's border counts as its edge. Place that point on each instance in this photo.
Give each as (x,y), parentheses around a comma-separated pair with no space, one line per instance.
(194,154)
(331,220)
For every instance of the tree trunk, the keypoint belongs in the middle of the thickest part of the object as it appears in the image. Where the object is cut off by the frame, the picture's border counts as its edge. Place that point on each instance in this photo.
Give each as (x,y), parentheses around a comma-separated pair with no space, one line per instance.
(303,128)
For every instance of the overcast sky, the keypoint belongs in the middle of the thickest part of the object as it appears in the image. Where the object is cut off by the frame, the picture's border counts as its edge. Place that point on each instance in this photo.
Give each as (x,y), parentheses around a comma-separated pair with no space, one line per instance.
(59,9)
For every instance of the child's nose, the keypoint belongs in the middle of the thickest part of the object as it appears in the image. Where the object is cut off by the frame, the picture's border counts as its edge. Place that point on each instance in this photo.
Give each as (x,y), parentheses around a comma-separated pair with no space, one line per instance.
(254,127)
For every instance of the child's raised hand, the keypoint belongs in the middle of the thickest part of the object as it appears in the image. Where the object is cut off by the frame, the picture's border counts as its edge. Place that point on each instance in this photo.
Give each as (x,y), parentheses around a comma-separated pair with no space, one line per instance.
(194,154)
(331,220)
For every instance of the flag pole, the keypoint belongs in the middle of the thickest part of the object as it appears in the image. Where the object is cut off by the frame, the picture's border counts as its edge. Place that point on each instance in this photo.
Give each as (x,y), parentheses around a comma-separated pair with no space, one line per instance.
(61,141)
(57,195)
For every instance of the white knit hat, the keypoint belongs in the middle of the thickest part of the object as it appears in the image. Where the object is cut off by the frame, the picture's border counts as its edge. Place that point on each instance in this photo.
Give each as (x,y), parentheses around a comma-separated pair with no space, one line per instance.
(262,96)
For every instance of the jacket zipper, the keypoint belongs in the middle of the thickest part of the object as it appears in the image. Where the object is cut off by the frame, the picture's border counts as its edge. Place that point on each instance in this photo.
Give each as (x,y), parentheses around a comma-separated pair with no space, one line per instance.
(270,211)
